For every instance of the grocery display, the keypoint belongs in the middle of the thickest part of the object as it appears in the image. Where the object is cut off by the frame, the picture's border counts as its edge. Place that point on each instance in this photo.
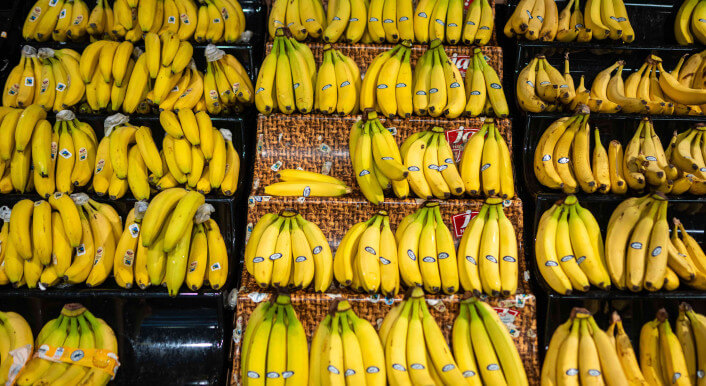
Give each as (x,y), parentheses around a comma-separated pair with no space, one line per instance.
(340,192)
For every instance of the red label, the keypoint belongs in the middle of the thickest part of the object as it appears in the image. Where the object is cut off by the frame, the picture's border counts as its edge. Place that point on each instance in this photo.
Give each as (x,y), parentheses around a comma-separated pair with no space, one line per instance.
(457,138)
(461,61)
(460,221)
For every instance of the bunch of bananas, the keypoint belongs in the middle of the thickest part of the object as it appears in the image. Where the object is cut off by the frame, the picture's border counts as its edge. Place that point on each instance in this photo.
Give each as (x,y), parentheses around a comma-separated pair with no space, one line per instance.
(288,80)
(645,163)
(430,166)
(688,26)
(300,183)
(16,341)
(366,258)
(426,253)
(76,333)
(562,158)
(670,357)
(57,19)
(62,238)
(685,258)
(569,249)
(484,94)
(478,25)
(214,21)
(483,347)
(640,93)
(626,353)
(690,330)
(217,21)
(346,348)
(169,227)
(226,84)
(488,252)
(541,87)
(416,351)
(29,150)
(486,165)
(124,159)
(438,87)
(201,255)
(286,250)
(198,155)
(687,151)
(274,344)
(387,85)
(636,244)
(376,159)
(50,78)
(444,20)
(306,18)
(580,351)
(540,19)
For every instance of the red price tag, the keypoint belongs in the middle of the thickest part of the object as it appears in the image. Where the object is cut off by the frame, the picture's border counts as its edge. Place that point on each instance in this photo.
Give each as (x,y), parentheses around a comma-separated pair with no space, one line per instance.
(462,62)
(457,138)
(460,221)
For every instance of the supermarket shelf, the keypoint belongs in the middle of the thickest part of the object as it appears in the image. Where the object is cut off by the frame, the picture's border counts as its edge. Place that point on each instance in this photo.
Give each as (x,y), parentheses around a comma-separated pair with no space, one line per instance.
(652,21)
(108,290)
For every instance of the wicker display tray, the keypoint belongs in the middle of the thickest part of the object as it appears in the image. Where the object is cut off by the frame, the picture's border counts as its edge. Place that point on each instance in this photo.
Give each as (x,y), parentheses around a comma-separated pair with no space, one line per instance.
(518,313)
(319,143)
(336,215)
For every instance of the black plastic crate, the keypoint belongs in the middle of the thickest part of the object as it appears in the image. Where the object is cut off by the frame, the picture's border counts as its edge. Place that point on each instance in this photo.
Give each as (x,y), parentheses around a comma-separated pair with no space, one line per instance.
(689,211)
(652,21)
(160,341)
(620,127)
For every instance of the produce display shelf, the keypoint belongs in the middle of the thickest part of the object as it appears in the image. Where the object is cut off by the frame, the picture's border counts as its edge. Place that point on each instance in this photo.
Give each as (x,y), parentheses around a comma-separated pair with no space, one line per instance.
(689,211)
(652,20)
(159,339)
(619,127)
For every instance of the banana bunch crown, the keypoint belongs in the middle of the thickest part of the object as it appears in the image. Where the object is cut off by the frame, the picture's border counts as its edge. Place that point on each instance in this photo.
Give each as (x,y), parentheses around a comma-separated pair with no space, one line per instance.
(287,251)
(274,344)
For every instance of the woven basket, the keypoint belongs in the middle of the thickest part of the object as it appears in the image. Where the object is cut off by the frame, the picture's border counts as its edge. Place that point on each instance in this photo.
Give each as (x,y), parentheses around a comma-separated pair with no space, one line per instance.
(336,215)
(319,143)
(518,313)
(493,40)
(363,54)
